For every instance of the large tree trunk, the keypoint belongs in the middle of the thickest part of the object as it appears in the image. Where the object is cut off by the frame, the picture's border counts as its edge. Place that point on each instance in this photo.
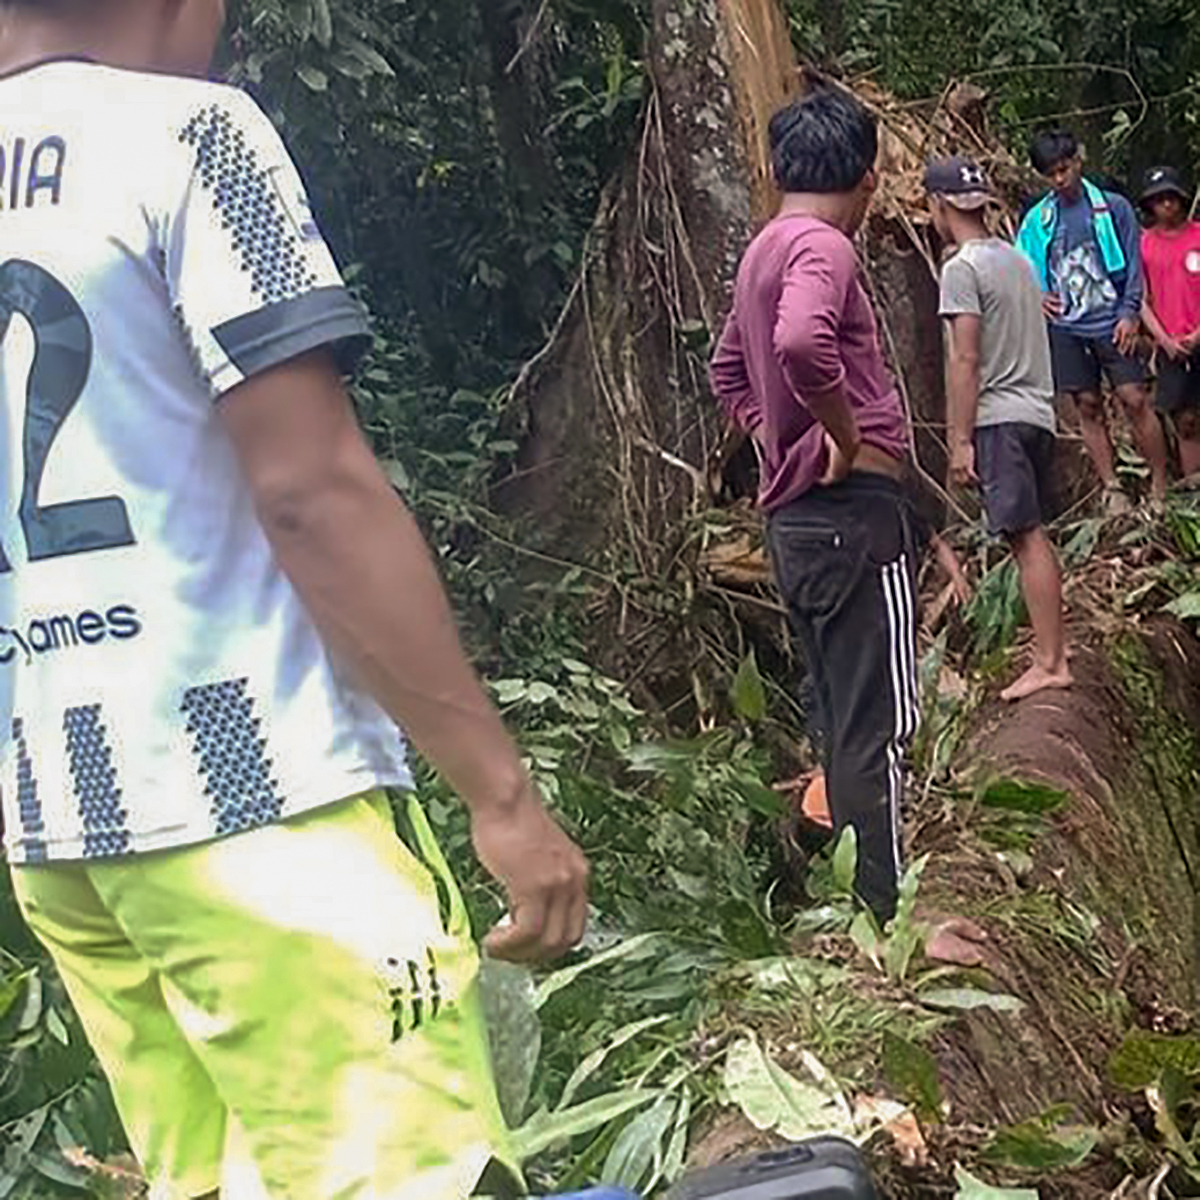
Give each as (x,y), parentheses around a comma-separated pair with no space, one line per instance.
(620,427)
(1099,934)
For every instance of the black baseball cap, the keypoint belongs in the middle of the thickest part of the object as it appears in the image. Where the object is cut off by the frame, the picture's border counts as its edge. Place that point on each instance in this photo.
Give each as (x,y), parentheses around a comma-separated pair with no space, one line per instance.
(1162,181)
(960,181)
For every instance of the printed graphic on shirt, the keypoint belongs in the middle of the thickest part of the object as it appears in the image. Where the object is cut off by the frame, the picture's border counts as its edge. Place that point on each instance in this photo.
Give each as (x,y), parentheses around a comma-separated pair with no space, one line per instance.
(246,196)
(1083,283)
(295,203)
(104,820)
(232,756)
(1192,262)
(29,807)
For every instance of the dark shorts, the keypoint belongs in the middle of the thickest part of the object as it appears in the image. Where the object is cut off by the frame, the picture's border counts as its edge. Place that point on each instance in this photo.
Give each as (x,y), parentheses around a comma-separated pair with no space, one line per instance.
(1178,385)
(1080,361)
(1014,462)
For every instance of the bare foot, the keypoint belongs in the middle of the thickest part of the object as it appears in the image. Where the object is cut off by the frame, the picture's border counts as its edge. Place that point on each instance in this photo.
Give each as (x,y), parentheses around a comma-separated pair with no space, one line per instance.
(1036,679)
(955,940)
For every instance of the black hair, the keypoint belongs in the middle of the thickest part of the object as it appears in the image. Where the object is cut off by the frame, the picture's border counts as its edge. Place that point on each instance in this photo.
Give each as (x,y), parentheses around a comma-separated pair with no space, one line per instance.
(1051,147)
(824,142)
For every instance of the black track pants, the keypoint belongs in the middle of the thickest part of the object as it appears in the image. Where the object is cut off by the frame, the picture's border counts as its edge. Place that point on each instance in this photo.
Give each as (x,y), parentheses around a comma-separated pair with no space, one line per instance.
(844,560)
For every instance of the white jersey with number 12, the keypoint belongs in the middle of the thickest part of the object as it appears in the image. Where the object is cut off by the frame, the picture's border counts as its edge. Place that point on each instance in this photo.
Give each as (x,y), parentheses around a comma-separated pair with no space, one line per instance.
(160,682)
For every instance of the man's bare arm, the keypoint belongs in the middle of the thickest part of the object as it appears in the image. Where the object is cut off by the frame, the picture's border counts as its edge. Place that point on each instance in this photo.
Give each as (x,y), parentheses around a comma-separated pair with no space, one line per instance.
(358,562)
(962,394)
(1173,347)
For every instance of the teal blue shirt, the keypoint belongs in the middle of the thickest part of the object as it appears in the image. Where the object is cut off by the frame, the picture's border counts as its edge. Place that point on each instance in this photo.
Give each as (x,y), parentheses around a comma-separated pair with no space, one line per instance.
(1089,254)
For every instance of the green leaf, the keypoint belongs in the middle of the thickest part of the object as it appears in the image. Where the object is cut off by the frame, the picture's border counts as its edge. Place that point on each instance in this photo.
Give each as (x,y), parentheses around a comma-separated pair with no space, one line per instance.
(55,1027)
(509,691)
(1079,549)
(301,13)
(312,77)
(744,928)
(1185,607)
(31,1012)
(638,1145)
(845,861)
(760,799)
(749,695)
(672,1166)
(545,1129)
(905,933)
(514,1032)
(595,1060)
(395,471)
(912,1071)
(634,947)
(969,998)
(773,1099)
(806,975)
(1017,795)
(58,1170)
(1030,1146)
(1142,1057)
(1165,1100)
(970,1188)
(370,58)
(21,1136)
(322,22)
(11,991)
(865,934)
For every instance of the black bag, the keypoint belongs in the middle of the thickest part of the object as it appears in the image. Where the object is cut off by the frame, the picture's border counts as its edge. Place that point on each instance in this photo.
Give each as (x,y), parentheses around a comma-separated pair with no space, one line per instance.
(821,1168)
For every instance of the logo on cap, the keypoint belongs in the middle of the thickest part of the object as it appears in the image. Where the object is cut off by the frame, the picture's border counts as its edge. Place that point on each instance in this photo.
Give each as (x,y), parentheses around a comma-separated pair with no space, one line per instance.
(971,176)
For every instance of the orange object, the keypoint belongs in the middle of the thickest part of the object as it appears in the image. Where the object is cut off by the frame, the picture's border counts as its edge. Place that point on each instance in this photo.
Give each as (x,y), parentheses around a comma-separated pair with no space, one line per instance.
(815,805)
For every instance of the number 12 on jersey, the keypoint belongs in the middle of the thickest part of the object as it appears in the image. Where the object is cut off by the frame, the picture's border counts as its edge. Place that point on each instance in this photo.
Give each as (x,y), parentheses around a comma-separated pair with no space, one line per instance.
(62,358)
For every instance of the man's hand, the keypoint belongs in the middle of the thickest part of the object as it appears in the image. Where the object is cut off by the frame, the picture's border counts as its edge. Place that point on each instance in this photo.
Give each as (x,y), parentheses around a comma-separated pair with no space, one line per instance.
(543,873)
(962,588)
(838,462)
(962,466)
(1190,343)
(1173,348)
(1052,305)
(1125,335)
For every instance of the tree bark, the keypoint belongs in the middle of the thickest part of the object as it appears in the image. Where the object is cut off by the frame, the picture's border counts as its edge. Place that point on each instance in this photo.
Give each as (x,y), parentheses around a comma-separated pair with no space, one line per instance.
(619,422)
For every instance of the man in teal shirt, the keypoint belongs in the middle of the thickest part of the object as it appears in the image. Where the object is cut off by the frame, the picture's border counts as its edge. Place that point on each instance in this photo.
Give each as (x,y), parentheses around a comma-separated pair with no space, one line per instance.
(1084,244)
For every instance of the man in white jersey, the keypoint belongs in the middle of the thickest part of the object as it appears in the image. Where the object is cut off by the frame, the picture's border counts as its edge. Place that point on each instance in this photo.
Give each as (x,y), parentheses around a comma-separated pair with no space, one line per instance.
(1000,400)
(215,615)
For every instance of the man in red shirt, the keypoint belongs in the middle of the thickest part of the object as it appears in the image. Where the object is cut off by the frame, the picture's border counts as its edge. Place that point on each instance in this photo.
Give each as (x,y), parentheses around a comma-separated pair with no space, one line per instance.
(1171,309)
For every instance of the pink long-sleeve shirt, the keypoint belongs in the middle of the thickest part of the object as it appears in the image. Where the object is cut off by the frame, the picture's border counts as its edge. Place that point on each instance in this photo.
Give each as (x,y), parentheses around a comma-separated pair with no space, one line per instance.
(800,326)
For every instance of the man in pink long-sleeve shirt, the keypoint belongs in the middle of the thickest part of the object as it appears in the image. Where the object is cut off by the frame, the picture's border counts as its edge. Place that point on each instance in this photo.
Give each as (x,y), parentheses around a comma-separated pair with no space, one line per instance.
(798,367)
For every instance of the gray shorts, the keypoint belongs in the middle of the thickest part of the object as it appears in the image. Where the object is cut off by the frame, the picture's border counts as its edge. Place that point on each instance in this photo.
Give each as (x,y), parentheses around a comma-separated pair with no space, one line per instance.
(1014,462)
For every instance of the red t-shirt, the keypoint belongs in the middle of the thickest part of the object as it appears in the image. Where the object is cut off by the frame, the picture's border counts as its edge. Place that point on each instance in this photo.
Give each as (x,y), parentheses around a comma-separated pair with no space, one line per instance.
(1172,264)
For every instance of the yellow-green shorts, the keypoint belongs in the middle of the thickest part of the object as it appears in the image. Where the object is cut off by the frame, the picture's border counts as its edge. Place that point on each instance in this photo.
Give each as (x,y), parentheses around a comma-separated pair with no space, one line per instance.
(291,1012)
